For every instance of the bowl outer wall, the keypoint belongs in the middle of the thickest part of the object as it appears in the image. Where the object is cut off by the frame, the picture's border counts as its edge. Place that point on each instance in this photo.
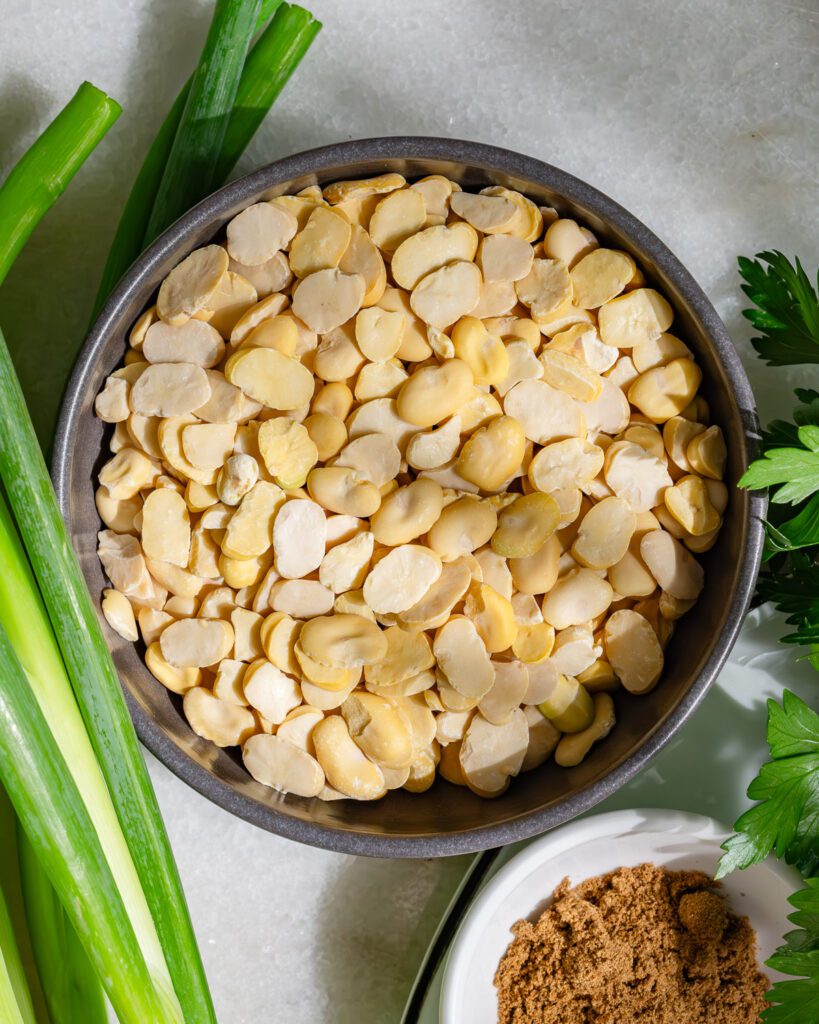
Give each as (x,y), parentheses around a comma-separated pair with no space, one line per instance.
(446,820)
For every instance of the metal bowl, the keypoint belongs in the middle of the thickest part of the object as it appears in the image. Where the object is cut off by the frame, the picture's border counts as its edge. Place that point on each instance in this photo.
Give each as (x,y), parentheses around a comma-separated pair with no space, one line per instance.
(446,819)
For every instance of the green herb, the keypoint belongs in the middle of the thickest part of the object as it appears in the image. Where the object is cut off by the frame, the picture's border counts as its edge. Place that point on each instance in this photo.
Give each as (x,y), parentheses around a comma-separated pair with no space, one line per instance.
(130,235)
(787,313)
(45,796)
(786,819)
(15,1002)
(796,1002)
(44,171)
(135,813)
(269,65)
(194,155)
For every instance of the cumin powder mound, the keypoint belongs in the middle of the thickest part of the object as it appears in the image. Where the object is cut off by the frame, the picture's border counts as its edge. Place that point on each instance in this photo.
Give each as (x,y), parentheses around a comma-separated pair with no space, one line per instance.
(640,944)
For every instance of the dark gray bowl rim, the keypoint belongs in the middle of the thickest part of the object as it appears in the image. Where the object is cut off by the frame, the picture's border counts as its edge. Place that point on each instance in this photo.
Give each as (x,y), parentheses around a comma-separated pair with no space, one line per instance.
(574,189)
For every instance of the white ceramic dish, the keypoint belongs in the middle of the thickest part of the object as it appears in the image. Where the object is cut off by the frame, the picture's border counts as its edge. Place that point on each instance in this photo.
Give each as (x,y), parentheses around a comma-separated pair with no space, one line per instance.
(583,849)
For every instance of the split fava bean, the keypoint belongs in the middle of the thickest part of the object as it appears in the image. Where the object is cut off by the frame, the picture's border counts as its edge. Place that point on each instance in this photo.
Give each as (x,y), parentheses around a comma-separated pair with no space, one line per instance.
(382,487)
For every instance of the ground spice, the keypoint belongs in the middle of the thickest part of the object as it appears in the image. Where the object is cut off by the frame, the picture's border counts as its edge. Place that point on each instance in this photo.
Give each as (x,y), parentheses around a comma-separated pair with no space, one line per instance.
(642,945)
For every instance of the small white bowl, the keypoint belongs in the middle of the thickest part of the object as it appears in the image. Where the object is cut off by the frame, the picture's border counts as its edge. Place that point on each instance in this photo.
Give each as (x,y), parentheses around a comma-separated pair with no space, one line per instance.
(586,848)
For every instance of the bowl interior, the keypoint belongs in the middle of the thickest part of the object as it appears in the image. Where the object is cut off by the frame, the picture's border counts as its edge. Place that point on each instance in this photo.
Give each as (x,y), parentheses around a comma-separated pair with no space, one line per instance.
(446,819)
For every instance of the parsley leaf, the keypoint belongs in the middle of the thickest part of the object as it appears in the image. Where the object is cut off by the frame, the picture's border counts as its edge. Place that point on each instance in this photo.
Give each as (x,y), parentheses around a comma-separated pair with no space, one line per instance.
(786,819)
(787,316)
(796,468)
(795,1002)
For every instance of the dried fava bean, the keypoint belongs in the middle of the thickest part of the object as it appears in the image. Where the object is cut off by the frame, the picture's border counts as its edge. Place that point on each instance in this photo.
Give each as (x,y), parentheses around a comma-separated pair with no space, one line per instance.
(396,217)
(270,691)
(635,475)
(277,763)
(689,503)
(166,528)
(196,643)
(238,475)
(583,342)
(328,434)
(118,516)
(279,332)
(522,365)
(378,332)
(434,393)
(632,319)
(494,571)
(226,725)
(465,525)
(447,293)
(347,768)
(343,490)
(436,190)
(231,300)
(537,573)
(341,191)
(408,654)
(407,513)
(343,641)
(491,754)
(647,437)
(529,222)
(569,463)
(609,413)
(525,525)
(665,391)
(401,578)
(278,634)
(599,276)
(177,680)
(674,569)
(323,699)
(432,449)
(414,344)
(345,566)
(287,450)
(298,537)
(321,243)
(605,534)
(658,352)
(207,445)
(543,738)
(297,728)
(500,702)
(328,298)
(570,375)
(380,380)
(247,643)
(228,683)
(249,531)
(267,376)
(463,657)
(633,650)
(534,642)
(545,287)
(484,353)
(572,749)
(194,342)
(504,258)
(190,285)
(151,623)
(492,616)
(449,764)
(544,413)
(375,456)
(379,728)
(244,572)
(119,614)
(707,453)
(257,233)
(575,650)
(363,258)
(111,404)
(143,322)
(565,240)
(170,389)
(451,726)
(270,277)
(488,214)
(430,249)
(126,474)
(227,403)
(568,705)
(437,603)
(578,597)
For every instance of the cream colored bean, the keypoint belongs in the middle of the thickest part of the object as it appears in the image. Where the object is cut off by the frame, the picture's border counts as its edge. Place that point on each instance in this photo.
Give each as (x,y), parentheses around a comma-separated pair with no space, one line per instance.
(674,569)
(689,503)
(578,597)
(434,607)
(166,528)
(298,538)
(526,525)
(328,298)
(428,250)
(665,391)
(491,754)
(605,534)
(571,750)
(544,413)
(583,342)
(277,763)
(565,464)
(570,375)
(633,651)
(658,352)
(111,404)
(565,240)
(126,474)
(707,453)
(347,768)
(408,655)
(462,527)
(575,650)
(226,725)
(434,393)
(272,693)
(484,353)
(504,258)
(545,287)
(493,453)
(236,478)
(345,566)
(463,658)
(192,342)
(190,285)
(493,617)
(636,476)
(375,456)
(196,643)
(599,276)
(407,513)
(302,599)
(328,434)
(401,578)
(537,573)
(343,490)
(271,378)
(119,614)
(432,449)
(379,728)
(635,318)
(227,685)
(343,641)
(288,451)
(396,217)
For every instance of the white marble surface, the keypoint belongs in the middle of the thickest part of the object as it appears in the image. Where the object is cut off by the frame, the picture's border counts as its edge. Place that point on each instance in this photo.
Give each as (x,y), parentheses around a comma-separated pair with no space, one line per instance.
(700,117)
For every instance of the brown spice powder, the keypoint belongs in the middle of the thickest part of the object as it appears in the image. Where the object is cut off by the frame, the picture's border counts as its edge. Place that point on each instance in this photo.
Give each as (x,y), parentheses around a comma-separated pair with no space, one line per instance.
(642,945)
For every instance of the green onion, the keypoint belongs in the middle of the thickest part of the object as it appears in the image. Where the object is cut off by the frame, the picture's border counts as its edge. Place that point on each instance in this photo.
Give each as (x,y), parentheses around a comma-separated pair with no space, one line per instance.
(191,166)
(43,172)
(15,1002)
(71,988)
(26,625)
(269,65)
(98,690)
(131,230)
(43,790)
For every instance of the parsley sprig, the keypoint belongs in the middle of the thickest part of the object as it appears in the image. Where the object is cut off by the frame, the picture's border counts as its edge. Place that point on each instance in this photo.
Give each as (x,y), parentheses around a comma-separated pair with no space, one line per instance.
(787,313)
